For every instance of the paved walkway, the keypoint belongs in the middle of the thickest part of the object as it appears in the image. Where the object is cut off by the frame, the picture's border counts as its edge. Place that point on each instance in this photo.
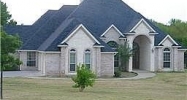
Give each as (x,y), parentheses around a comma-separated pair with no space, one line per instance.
(35,74)
(142,74)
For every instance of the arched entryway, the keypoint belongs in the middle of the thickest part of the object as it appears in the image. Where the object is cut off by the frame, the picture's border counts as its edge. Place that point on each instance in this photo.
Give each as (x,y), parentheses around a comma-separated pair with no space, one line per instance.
(142,53)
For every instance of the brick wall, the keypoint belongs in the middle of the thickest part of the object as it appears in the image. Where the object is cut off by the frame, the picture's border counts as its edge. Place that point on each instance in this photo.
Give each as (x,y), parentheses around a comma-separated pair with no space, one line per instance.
(107,64)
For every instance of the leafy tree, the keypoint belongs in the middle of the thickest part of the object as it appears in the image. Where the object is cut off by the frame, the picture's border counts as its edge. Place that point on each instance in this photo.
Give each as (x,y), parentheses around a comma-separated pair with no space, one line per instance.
(9,44)
(176,28)
(5,15)
(124,52)
(84,78)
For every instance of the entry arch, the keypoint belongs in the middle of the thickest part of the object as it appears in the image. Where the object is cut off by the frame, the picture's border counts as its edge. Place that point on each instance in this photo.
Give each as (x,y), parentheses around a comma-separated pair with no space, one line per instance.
(142,53)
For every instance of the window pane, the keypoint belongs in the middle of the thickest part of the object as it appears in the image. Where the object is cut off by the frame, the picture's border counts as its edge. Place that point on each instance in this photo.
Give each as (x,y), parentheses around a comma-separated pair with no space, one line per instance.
(87,58)
(166,49)
(166,64)
(88,66)
(112,44)
(31,58)
(116,61)
(31,63)
(72,58)
(166,56)
(116,64)
(87,50)
(72,67)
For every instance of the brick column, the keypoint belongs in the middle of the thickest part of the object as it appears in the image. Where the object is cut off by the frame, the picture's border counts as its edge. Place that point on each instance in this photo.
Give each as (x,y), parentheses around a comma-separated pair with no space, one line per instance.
(62,61)
(97,61)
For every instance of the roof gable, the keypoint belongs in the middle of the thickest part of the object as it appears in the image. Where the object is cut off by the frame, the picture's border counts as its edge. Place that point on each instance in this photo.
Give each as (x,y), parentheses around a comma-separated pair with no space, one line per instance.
(75,31)
(142,21)
(170,39)
(112,26)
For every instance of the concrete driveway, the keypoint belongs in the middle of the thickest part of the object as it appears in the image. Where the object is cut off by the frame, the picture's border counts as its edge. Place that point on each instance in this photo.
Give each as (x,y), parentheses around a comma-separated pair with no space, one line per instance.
(22,73)
(142,74)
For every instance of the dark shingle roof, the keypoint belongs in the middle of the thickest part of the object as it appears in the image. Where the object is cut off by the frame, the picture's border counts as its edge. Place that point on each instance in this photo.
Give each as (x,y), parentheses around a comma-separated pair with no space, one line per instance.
(96,15)
(27,31)
(19,30)
(48,28)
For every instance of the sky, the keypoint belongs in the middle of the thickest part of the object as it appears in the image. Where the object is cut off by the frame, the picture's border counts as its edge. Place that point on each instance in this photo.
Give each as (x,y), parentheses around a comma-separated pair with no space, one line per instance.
(28,11)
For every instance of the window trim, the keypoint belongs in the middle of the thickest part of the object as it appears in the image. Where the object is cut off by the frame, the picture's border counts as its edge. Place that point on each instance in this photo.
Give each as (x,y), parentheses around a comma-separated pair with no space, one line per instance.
(31,57)
(113,42)
(168,51)
(72,51)
(88,51)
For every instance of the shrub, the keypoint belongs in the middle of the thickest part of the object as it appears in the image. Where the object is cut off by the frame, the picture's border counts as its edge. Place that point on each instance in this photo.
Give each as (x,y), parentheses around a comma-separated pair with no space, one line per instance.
(84,78)
(117,74)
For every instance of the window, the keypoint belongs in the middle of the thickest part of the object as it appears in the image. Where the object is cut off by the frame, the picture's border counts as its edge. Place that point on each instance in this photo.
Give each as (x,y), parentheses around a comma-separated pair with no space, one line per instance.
(87,58)
(72,60)
(31,59)
(167,58)
(113,44)
(116,60)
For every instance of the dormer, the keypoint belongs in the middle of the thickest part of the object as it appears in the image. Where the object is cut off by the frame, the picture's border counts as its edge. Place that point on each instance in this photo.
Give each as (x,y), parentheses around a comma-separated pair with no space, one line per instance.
(142,27)
(112,34)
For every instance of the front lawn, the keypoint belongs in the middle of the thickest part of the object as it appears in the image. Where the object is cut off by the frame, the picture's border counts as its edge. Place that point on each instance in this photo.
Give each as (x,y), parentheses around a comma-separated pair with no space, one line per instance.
(165,86)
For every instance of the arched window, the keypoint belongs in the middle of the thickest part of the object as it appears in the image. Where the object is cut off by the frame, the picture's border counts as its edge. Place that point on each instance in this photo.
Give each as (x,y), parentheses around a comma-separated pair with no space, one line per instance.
(87,58)
(72,64)
(113,44)
(167,58)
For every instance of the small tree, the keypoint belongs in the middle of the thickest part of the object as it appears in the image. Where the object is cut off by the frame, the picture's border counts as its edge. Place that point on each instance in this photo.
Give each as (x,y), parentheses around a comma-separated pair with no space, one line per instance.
(84,78)
(124,52)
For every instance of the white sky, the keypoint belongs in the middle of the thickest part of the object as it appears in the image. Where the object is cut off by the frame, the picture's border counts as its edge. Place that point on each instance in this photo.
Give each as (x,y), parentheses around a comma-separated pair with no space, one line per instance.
(28,11)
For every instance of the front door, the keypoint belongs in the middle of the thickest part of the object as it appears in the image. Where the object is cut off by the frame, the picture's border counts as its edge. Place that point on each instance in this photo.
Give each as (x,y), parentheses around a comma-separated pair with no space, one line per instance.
(136,56)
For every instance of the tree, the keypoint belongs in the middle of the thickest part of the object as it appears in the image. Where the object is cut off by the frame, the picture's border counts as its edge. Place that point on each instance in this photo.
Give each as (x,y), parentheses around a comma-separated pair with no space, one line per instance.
(6,16)
(124,52)
(9,45)
(84,78)
(176,28)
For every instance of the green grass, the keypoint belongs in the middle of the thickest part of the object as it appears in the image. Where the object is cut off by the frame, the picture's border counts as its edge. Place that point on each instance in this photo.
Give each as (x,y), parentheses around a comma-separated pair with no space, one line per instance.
(165,86)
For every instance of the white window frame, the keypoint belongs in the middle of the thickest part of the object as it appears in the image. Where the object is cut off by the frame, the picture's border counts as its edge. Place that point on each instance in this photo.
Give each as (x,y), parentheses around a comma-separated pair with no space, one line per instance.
(165,58)
(72,51)
(31,59)
(87,51)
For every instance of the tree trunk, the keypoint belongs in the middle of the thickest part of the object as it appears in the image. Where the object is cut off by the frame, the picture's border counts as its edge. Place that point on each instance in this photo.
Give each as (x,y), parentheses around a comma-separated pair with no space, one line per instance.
(81,89)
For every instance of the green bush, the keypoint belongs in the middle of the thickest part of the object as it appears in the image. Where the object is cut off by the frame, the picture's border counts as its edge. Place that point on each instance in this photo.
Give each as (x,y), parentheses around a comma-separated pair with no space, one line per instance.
(84,78)
(12,68)
(117,74)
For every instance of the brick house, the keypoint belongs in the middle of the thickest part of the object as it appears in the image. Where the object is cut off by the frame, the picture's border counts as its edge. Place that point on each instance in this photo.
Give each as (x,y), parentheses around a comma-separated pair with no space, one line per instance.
(88,33)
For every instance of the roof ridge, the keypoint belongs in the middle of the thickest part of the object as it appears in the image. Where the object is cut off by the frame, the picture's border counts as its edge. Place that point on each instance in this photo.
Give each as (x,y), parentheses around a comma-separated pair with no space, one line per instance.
(54,35)
(44,15)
